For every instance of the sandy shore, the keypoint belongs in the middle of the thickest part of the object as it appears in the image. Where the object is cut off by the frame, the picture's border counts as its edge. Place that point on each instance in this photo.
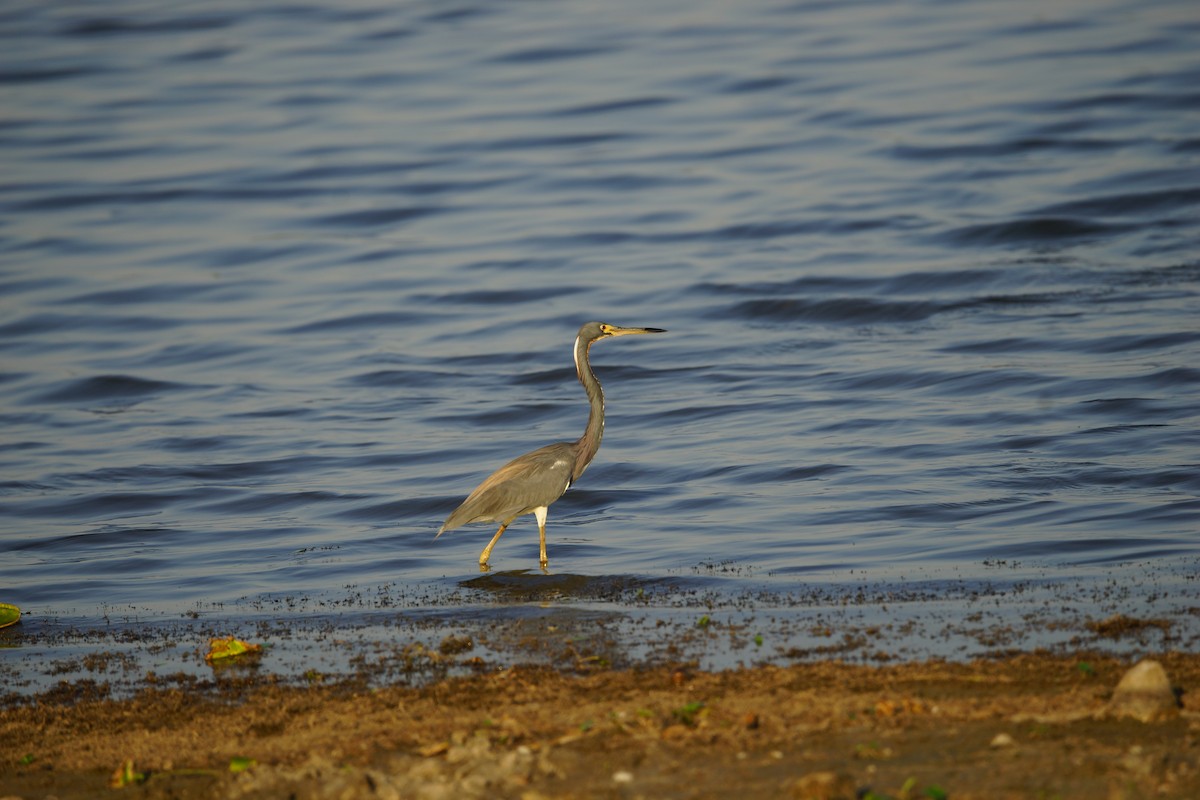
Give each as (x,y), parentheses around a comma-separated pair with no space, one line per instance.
(1023,726)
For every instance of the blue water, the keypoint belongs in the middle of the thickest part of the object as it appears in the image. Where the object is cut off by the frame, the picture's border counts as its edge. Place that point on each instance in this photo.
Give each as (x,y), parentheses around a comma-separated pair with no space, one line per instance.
(280,283)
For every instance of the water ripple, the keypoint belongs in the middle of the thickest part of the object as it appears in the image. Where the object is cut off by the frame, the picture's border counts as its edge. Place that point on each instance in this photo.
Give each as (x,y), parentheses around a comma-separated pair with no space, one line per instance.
(376,216)
(106,387)
(280,284)
(1035,229)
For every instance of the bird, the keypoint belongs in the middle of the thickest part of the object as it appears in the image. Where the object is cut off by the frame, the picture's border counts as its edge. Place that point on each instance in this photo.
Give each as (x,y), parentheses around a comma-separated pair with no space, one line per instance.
(530,483)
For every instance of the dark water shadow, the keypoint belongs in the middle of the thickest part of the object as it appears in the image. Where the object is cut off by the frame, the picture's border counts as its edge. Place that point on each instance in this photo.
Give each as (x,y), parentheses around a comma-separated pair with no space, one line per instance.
(525,585)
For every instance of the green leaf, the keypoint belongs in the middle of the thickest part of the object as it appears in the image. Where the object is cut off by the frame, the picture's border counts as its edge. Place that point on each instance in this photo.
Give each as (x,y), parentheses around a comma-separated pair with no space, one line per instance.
(230,647)
(687,712)
(241,763)
(126,775)
(9,614)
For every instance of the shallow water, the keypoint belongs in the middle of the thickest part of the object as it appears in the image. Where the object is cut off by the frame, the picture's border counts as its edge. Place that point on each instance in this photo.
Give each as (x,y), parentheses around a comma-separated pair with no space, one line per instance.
(280,285)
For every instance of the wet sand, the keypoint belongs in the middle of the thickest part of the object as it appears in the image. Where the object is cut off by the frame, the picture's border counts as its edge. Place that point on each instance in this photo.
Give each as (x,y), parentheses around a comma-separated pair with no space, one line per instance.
(1024,725)
(545,692)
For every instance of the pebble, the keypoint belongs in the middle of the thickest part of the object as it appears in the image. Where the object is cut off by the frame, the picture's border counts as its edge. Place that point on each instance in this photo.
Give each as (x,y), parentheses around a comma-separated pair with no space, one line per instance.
(824,786)
(1002,740)
(1144,694)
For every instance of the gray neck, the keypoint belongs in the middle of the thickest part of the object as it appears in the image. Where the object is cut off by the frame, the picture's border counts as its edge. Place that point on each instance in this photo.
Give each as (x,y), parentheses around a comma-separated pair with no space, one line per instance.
(589,443)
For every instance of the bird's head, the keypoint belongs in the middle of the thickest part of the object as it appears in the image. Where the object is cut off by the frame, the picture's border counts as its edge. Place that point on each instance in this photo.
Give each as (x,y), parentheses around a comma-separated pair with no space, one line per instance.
(602,330)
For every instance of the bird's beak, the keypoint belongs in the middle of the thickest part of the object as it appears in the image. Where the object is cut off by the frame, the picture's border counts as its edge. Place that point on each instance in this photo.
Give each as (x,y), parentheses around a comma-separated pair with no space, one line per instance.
(613,330)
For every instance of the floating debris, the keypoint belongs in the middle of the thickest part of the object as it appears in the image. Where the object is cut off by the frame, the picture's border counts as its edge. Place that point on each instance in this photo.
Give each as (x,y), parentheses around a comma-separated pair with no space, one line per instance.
(230,647)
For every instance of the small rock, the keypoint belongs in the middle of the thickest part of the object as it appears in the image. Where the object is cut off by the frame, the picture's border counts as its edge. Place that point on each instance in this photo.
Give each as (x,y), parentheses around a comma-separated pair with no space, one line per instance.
(1144,694)
(1002,740)
(1137,763)
(622,776)
(824,786)
(435,749)
(675,733)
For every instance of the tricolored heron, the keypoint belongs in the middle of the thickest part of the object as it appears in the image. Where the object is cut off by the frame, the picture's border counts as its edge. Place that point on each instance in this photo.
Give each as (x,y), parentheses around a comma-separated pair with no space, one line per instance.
(530,483)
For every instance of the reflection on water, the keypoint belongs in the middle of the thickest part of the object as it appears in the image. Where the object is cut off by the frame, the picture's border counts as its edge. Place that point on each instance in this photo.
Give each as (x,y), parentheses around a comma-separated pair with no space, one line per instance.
(279,285)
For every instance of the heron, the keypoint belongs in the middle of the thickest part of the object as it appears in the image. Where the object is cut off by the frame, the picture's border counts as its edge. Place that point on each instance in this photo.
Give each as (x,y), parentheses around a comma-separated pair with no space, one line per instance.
(530,483)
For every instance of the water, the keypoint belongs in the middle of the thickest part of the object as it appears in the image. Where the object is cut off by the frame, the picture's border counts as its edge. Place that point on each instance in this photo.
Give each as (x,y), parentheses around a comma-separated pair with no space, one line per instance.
(280,284)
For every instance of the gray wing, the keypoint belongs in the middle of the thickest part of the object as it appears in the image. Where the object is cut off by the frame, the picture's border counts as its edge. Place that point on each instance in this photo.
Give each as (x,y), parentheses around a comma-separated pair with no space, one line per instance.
(530,481)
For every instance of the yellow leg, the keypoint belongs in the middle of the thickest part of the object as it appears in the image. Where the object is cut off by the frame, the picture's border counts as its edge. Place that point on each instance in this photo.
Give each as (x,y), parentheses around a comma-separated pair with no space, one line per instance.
(487,551)
(540,513)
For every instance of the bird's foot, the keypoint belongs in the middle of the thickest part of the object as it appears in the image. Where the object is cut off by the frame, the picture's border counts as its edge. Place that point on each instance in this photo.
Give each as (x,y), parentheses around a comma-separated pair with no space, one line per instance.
(485,566)
(545,567)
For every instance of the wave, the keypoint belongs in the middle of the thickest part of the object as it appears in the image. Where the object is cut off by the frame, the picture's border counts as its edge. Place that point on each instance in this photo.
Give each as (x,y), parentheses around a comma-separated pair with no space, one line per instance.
(102,388)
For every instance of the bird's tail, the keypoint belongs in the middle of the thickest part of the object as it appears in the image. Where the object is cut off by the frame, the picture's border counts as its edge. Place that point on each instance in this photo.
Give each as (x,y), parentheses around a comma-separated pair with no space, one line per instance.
(446,526)
(459,517)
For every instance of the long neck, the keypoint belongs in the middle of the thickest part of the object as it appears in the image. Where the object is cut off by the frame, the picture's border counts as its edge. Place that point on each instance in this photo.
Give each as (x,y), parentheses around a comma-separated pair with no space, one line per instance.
(589,443)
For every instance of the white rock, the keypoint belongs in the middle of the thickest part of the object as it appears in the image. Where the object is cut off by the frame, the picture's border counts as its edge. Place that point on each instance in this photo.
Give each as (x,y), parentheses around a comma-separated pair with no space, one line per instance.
(1003,740)
(1144,694)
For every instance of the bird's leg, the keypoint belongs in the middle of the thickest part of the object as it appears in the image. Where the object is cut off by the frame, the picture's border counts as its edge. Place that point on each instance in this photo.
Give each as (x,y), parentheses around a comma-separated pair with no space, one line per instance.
(540,513)
(487,551)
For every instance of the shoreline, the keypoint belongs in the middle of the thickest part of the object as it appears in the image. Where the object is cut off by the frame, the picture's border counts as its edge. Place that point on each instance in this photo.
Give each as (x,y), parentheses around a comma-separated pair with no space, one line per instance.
(573,622)
(1023,725)
(533,687)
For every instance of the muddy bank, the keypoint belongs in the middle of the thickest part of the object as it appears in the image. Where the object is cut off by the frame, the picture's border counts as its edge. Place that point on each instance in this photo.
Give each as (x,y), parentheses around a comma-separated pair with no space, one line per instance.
(528,686)
(1025,725)
(412,635)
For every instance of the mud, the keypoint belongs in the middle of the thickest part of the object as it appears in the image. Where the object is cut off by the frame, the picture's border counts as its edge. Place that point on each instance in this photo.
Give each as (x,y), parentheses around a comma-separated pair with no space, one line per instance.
(547,689)
(1028,725)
